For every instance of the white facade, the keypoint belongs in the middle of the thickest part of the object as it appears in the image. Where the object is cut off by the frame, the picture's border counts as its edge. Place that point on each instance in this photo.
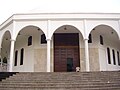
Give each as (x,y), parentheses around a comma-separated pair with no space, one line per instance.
(38,57)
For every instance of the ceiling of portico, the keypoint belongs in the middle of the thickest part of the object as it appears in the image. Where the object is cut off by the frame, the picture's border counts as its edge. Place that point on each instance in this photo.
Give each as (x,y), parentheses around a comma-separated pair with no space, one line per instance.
(107,32)
(67,29)
(30,29)
(5,44)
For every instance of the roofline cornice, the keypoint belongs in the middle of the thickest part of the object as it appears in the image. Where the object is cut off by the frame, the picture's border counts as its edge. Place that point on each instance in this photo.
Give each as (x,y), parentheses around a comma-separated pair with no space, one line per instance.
(65,13)
(6,22)
(51,16)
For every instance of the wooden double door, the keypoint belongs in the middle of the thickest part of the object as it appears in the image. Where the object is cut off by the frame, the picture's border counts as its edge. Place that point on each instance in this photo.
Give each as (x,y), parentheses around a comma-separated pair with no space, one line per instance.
(66,52)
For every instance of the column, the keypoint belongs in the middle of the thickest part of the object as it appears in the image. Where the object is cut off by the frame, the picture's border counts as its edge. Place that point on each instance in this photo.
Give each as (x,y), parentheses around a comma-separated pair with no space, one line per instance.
(48,55)
(1,61)
(11,55)
(119,28)
(87,55)
(0,56)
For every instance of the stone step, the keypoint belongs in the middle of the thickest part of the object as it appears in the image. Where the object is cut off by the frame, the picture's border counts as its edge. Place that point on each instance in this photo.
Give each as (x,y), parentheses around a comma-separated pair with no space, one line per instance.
(55,83)
(50,79)
(62,81)
(35,85)
(38,75)
(72,88)
(64,76)
(67,78)
(73,73)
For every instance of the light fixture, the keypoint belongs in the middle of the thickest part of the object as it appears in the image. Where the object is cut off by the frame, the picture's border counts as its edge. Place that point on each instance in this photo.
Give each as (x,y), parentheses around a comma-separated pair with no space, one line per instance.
(93,28)
(38,29)
(6,38)
(65,28)
(19,34)
(112,32)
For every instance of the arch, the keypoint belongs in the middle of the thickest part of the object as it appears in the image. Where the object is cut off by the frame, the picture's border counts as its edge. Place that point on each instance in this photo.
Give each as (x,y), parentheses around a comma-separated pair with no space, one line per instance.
(3,35)
(22,41)
(37,28)
(106,32)
(65,26)
(5,46)
(106,25)
(105,38)
(66,40)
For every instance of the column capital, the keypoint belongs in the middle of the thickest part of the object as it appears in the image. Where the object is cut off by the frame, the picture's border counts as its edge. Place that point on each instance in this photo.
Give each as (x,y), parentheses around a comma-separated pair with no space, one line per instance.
(86,39)
(12,40)
(48,39)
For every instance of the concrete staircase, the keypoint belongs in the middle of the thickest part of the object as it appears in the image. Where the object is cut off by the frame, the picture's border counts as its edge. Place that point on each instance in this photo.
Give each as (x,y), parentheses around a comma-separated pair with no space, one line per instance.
(62,81)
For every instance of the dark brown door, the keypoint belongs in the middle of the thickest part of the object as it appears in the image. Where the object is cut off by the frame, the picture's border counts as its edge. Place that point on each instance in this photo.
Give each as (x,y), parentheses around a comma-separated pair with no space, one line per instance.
(66,52)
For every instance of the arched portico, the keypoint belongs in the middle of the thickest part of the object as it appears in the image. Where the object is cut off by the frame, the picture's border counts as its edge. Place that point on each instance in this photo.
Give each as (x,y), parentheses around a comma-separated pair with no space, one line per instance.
(67,41)
(103,37)
(30,39)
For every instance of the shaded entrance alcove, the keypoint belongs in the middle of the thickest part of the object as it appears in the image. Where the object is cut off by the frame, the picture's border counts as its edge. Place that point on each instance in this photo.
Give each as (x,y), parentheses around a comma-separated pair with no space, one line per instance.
(66,49)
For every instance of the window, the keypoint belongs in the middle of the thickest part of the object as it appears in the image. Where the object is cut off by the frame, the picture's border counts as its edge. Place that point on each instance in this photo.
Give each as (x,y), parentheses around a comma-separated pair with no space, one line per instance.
(21,56)
(90,38)
(43,39)
(113,52)
(16,55)
(108,53)
(118,57)
(29,40)
(101,40)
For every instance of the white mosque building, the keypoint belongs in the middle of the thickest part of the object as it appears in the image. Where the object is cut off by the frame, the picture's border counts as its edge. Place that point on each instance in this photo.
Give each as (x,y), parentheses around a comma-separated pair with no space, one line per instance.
(60,42)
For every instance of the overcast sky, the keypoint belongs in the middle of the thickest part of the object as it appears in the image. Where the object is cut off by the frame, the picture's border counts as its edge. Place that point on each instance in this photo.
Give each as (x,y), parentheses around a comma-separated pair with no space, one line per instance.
(9,7)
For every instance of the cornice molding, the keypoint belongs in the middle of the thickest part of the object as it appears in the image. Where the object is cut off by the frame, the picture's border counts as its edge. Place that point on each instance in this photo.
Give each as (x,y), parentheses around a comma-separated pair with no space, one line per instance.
(60,16)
